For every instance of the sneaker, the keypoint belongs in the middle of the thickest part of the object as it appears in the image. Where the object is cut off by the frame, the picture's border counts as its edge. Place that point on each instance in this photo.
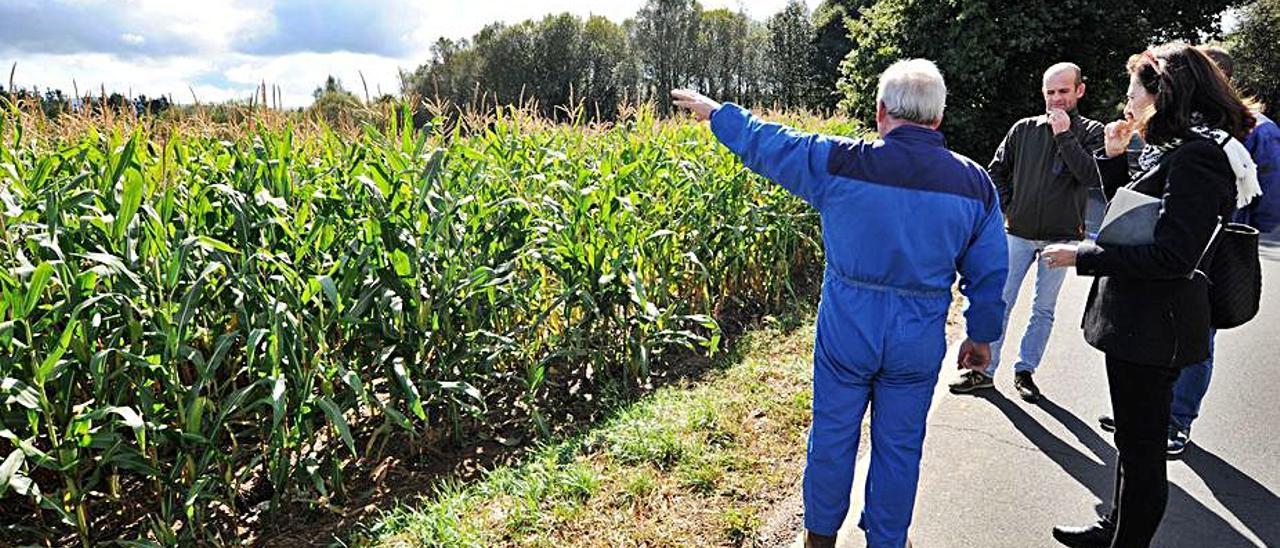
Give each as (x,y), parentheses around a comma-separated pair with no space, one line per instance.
(1096,535)
(970,381)
(1178,440)
(1106,423)
(1026,387)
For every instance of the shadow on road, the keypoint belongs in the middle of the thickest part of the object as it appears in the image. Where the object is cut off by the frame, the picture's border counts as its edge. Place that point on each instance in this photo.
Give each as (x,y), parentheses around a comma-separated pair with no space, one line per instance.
(1251,502)
(1186,523)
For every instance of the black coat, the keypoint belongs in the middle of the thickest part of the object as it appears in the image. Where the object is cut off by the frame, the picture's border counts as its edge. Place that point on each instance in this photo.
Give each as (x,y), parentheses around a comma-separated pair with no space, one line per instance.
(1143,307)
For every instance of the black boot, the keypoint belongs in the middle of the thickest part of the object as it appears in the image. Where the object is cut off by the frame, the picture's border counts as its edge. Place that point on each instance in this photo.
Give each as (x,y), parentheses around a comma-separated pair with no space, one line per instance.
(814,540)
(1097,535)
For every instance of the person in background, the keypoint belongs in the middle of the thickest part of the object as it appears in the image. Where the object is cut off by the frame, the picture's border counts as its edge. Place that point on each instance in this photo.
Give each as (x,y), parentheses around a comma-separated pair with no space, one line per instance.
(1148,309)
(1043,169)
(901,216)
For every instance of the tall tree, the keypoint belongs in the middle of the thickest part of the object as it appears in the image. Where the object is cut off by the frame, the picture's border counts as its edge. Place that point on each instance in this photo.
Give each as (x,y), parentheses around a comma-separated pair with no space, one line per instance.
(331,85)
(722,46)
(506,64)
(757,69)
(556,59)
(609,73)
(665,34)
(993,53)
(451,74)
(831,44)
(791,37)
(332,101)
(1257,53)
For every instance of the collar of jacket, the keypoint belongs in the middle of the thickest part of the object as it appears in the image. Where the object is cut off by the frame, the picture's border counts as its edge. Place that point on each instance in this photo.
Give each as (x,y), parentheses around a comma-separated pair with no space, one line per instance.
(917,134)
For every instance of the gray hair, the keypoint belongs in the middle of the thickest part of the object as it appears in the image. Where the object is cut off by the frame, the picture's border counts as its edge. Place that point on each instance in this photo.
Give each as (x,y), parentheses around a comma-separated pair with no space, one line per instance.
(913,90)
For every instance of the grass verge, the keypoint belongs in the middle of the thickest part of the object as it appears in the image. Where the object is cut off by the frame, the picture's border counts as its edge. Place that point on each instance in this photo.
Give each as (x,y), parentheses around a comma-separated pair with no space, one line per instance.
(693,463)
(713,460)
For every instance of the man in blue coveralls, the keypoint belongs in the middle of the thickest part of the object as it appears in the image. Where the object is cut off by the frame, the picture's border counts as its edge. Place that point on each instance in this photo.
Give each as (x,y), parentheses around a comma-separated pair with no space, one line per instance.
(900,216)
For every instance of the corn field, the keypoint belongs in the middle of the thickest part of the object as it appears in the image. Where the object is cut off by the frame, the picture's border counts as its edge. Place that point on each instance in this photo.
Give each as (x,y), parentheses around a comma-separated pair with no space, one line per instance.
(186,318)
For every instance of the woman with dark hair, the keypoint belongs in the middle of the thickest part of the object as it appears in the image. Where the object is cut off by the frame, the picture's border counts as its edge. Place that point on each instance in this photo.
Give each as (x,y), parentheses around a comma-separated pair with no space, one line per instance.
(1148,309)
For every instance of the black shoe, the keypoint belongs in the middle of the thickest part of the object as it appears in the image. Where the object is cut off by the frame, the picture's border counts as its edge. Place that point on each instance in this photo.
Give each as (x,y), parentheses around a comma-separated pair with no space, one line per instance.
(1097,535)
(1026,387)
(970,381)
(814,540)
(1106,423)
(1178,440)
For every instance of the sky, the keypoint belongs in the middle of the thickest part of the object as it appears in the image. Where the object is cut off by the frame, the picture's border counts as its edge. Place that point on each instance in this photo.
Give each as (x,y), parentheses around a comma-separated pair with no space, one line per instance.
(225,48)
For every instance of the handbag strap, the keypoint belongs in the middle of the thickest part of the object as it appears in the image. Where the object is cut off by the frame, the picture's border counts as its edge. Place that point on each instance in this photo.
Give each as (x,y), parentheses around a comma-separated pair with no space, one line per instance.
(1217,229)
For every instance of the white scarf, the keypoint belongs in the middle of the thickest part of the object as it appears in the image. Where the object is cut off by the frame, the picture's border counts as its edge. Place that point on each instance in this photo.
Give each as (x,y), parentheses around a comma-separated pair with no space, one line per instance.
(1246,172)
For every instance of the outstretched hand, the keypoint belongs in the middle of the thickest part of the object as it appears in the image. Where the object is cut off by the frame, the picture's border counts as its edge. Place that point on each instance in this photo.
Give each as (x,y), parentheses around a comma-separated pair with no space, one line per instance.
(701,105)
(974,356)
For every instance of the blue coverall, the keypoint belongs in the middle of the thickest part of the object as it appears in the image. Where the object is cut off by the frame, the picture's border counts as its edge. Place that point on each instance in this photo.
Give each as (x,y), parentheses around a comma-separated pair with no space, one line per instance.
(900,216)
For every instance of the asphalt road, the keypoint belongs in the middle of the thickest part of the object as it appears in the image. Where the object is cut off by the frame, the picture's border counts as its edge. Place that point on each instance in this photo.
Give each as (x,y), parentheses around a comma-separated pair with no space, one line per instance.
(999,472)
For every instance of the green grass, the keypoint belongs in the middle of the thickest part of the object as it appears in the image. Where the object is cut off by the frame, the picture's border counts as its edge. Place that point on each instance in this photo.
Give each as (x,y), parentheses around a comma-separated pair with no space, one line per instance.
(690,464)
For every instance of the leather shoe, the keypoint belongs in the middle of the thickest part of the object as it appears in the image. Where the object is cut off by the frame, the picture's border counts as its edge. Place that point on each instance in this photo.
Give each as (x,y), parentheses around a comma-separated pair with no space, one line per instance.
(814,540)
(1097,535)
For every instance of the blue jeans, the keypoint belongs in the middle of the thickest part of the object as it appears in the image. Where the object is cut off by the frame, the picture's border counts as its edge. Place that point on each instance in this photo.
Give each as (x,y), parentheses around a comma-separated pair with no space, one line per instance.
(1022,254)
(1190,388)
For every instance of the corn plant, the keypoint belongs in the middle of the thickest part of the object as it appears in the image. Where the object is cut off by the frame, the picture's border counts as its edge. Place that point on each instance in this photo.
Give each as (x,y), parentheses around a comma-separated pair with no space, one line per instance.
(191,327)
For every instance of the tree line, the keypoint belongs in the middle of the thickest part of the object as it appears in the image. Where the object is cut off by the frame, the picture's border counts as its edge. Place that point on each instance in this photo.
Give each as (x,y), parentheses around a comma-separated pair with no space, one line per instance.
(992,52)
(54,102)
(789,60)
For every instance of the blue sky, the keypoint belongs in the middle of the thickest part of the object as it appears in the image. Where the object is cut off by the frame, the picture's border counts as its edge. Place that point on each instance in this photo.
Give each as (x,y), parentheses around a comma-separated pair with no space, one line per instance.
(225,48)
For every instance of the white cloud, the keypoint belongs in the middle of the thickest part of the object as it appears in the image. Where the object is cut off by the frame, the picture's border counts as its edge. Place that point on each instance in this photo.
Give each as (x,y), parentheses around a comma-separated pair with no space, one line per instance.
(92,72)
(297,75)
(87,26)
(223,49)
(337,25)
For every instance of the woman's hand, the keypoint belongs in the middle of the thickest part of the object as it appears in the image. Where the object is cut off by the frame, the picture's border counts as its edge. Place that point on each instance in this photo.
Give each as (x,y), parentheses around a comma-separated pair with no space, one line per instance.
(1059,255)
(1118,134)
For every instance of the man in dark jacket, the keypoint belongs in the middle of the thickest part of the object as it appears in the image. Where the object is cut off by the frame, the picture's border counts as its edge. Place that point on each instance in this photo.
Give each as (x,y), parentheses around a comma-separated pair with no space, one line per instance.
(1043,170)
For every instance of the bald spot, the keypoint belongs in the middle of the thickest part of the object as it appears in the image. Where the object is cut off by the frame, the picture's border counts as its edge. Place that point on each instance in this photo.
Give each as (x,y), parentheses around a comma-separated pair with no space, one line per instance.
(1060,68)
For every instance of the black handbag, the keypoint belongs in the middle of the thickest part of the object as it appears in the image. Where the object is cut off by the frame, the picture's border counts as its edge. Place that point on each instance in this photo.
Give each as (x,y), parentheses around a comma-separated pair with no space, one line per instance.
(1235,277)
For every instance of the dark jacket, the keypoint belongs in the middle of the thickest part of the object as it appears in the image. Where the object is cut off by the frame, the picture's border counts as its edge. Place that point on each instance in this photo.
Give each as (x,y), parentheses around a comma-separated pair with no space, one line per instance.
(1044,179)
(1143,307)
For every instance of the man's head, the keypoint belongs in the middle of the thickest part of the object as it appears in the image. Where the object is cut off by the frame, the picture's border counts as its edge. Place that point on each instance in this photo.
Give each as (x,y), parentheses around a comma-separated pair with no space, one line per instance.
(1221,58)
(911,92)
(1063,86)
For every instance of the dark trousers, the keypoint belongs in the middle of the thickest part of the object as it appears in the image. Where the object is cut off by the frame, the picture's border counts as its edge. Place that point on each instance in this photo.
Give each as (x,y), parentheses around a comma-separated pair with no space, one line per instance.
(1140,399)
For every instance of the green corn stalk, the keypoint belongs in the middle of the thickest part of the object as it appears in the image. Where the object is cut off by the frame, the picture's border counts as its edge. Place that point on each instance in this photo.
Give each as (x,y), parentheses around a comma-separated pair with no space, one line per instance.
(202,325)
